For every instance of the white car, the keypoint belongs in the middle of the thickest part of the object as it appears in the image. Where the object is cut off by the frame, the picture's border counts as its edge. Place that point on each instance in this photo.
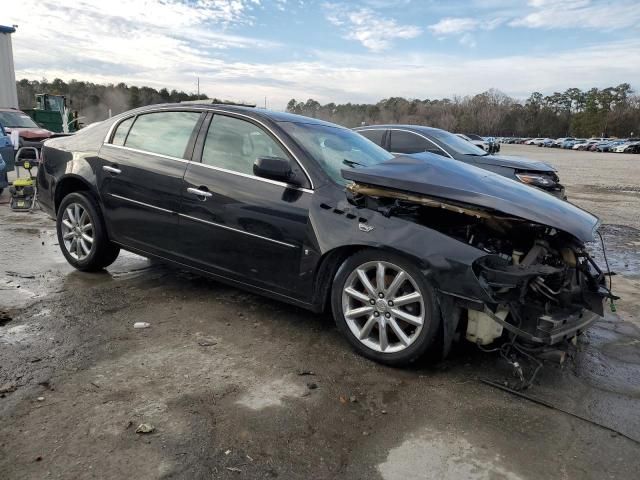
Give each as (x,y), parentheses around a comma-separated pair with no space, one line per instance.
(620,148)
(584,145)
(627,147)
(478,143)
(535,141)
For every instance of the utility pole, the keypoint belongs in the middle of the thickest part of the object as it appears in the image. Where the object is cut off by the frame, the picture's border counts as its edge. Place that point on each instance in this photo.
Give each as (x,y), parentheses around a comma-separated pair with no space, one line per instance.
(265,102)
(198,86)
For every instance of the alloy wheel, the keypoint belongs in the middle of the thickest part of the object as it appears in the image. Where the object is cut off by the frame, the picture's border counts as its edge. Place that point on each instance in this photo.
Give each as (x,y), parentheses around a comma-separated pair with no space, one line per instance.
(383,306)
(77,231)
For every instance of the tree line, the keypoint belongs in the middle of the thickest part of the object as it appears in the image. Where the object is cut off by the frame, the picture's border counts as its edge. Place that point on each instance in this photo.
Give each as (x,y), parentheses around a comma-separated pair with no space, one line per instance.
(94,101)
(612,111)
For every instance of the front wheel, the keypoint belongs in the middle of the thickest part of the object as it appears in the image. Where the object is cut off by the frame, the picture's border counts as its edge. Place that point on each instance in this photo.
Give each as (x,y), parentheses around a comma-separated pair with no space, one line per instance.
(81,233)
(385,307)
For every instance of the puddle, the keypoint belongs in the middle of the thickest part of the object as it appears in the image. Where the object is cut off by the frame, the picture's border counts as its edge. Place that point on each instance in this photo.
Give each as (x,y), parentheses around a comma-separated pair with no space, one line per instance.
(443,456)
(622,249)
(270,394)
(4,318)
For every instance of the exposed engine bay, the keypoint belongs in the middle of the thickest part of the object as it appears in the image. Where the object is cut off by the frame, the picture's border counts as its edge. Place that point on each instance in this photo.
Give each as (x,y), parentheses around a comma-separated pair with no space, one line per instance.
(542,284)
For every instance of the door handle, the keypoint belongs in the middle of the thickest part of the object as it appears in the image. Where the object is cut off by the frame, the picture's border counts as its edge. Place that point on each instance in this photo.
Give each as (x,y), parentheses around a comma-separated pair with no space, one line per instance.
(200,193)
(114,170)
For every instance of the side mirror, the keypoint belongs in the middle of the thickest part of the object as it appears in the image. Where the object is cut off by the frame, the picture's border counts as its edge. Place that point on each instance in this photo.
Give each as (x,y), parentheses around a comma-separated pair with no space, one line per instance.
(274,168)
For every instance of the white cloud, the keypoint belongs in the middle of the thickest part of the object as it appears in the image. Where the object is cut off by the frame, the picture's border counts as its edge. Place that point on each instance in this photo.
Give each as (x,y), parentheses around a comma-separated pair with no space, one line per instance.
(452,26)
(368,27)
(174,43)
(563,14)
(468,40)
(463,27)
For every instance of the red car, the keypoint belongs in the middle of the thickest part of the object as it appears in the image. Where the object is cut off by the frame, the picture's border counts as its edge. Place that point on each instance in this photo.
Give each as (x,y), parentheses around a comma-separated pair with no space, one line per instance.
(31,134)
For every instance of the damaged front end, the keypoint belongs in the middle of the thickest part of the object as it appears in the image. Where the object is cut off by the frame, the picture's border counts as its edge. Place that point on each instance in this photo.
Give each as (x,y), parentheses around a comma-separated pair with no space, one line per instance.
(536,281)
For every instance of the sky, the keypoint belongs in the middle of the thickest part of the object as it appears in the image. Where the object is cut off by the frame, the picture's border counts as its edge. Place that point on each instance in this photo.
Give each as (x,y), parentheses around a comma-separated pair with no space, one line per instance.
(358,51)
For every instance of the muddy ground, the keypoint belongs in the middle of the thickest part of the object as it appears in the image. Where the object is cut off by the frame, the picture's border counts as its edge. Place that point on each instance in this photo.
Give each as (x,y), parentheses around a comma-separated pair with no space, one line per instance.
(237,386)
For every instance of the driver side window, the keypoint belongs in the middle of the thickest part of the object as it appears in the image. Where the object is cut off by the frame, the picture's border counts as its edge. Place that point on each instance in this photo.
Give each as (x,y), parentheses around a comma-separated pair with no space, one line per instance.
(235,144)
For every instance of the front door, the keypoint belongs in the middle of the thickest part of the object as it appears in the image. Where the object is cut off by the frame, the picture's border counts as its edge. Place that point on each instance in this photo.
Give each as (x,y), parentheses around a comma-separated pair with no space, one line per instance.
(236,224)
(140,178)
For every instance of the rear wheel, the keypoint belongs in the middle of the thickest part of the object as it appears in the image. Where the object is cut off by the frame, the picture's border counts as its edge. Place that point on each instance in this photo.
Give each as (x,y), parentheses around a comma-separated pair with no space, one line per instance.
(385,307)
(81,233)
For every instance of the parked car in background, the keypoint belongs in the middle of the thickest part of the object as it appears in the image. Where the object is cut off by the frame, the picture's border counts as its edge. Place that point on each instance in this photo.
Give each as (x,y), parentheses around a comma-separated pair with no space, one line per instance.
(6,158)
(557,143)
(548,143)
(477,140)
(608,146)
(30,133)
(629,146)
(410,139)
(534,141)
(584,145)
(407,252)
(494,144)
(568,144)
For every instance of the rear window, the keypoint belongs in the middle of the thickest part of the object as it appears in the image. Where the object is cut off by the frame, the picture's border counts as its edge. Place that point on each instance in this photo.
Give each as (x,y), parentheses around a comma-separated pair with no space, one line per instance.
(166,133)
(121,132)
(375,136)
(406,142)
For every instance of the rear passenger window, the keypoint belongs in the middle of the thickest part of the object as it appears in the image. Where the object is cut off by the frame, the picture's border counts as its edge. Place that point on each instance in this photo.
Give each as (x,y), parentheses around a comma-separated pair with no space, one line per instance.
(121,132)
(405,142)
(374,135)
(235,145)
(166,133)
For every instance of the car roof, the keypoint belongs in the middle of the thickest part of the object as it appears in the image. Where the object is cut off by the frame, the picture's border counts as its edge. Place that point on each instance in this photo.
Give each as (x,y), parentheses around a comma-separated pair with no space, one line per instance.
(412,128)
(253,112)
(11,110)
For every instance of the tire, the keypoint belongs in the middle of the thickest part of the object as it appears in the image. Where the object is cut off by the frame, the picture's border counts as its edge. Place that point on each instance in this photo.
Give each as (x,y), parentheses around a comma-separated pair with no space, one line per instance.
(83,240)
(363,327)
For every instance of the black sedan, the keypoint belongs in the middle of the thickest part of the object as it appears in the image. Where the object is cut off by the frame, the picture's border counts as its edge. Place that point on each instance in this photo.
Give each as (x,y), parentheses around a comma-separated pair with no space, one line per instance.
(406,251)
(409,139)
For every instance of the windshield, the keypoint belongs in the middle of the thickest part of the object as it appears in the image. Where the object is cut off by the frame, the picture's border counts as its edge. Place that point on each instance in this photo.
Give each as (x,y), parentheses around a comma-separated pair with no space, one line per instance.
(336,148)
(16,119)
(455,144)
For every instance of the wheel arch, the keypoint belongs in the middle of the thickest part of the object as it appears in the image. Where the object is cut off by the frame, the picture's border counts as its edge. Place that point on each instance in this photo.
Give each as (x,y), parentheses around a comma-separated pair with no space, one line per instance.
(69,184)
(331,261)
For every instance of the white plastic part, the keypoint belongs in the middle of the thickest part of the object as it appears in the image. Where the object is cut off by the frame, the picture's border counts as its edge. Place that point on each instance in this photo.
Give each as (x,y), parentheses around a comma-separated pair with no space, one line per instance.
(482,329)
(141,325)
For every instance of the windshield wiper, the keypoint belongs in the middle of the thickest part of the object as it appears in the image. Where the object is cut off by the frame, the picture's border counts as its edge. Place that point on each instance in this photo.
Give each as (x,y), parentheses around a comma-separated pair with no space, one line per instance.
(477,154)
(351,163)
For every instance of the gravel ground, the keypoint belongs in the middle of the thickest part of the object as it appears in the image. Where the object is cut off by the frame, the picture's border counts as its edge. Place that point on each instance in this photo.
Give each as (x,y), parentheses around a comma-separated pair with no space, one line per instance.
(238,386)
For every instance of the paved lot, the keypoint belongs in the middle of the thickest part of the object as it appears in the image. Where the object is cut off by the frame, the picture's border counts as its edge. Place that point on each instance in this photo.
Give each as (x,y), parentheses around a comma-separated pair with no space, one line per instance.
(218,374)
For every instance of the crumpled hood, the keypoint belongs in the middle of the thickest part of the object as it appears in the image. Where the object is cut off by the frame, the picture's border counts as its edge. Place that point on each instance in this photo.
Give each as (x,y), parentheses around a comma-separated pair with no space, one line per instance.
(30,133)
(515,162)
(436,176)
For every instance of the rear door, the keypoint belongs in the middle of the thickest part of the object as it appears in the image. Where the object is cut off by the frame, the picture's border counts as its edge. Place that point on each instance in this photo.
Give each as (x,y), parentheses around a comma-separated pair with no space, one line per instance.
(140,178)
(236,224)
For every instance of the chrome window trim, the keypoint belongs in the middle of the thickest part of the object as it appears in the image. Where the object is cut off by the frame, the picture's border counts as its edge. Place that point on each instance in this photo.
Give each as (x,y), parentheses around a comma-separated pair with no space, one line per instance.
(142,204)
(246,175)
(145,152)
(225,227)
(408,131)
(107,138)
(233,172)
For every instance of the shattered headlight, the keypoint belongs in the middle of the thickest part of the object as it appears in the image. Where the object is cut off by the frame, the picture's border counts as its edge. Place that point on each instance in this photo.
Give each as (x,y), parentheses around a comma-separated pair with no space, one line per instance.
(536,179)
